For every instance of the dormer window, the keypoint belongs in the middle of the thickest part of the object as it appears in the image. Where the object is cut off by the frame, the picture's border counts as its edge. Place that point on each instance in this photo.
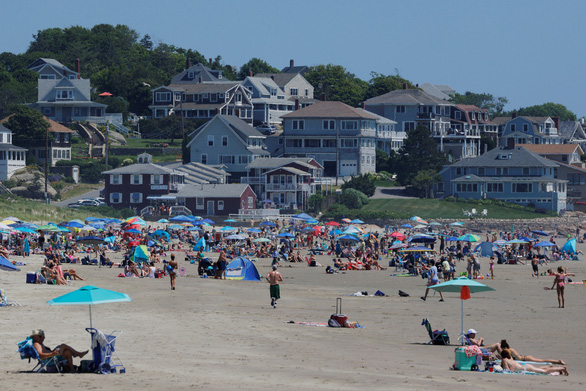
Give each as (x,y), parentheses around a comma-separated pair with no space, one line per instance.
(190,75)
(458,115)
(64,94)
(473,116)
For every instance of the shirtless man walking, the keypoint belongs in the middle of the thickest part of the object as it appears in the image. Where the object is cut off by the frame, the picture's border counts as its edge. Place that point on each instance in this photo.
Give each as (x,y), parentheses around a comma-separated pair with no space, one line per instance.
(274,277)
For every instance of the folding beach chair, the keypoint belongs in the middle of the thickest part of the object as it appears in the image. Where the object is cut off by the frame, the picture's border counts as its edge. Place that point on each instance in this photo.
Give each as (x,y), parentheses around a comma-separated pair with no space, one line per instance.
(4,302)
(182,271)
(437,337)
(27,351)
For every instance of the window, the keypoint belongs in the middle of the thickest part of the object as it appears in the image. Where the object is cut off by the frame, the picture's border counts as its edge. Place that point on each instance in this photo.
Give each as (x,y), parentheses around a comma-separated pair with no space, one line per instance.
(481,171)
(204,158)
(458,115)
(224,141)
(163,97)
(178,96)
(473,116)
(64,94)
(408,125)
(226,159)
(210,141)
(250,202)
(522,187)
(47,110)
(576,179)
(51,77)
(135,198)
(400,109)
(220,205)
(312,143)
(329,143)
(294,91)
(213,97)
(306,92)
(349,125)
(136,179)
(199,203)
(190,75)
(115,198)
(156,179)
(512,127)
(298,124)
(349,143)
(329,124)
(494,187)
(244,159)
(525,127)
(295,143)
(525,171)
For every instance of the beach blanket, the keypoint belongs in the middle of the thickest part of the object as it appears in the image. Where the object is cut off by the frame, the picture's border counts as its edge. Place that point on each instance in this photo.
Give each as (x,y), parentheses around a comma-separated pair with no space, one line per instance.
(355,325)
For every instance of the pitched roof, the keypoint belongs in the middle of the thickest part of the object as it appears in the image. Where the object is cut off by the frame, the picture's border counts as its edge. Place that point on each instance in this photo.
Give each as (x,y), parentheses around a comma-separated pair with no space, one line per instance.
(241,128)
(280,78)
(198,70)
(196,172)
(296,69)
(202,88)
(501,120)
(231,190)
(330,109)
(439,91)
(142,168)
(552,149)
(504,157)
(53,126)
(407,97)
(275,162)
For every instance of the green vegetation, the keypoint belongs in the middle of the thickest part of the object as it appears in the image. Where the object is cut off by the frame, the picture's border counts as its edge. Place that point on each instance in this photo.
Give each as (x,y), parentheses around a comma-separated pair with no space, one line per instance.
(363,183)
(72,191)
(432,209)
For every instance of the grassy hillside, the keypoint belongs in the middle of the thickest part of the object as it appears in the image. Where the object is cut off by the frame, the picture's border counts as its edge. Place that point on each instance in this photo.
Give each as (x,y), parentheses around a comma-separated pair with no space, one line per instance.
(434,209)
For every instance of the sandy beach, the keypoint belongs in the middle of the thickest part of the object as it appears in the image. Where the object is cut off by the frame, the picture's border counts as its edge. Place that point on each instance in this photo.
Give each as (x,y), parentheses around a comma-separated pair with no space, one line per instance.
(220,335)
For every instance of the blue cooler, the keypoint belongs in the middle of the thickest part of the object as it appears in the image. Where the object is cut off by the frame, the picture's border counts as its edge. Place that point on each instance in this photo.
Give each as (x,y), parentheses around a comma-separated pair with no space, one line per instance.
(31,278)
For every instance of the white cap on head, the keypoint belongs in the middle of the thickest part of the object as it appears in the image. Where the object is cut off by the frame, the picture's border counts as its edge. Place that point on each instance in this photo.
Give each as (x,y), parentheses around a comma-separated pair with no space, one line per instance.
(471,331)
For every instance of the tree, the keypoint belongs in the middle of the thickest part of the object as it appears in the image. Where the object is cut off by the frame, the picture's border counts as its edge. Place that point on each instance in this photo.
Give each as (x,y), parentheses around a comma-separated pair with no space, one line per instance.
(28,126)
(547,110)
(336,84)
(364,183)
(485,100)
(255,65)
(353,199)
(419,153)
(315,202)
(424,181)
(380,84)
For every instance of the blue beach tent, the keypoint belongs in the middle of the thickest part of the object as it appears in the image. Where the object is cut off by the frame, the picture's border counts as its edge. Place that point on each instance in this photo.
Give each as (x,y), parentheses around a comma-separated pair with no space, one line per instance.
(242,269)
(486,249)
(570,247)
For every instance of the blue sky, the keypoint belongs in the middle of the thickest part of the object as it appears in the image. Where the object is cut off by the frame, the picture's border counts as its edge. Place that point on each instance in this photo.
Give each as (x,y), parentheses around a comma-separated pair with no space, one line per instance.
(529,51)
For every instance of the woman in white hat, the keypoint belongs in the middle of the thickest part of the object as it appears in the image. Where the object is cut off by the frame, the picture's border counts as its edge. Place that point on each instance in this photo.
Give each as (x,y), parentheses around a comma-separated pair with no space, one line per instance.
(65,351)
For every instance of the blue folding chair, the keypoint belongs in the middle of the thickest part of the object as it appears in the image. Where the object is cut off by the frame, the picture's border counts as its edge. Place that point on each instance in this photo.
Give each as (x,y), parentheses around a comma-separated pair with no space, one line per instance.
(51,364)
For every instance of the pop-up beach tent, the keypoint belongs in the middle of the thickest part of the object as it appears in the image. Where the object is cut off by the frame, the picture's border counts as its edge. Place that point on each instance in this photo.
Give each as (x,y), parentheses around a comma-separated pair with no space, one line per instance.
(485,249)
(242,269)
(201,243)
(570,247)
(141,254)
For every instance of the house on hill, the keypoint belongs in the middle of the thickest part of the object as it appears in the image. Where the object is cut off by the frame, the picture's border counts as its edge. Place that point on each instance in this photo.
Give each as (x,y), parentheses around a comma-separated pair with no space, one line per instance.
(12,158)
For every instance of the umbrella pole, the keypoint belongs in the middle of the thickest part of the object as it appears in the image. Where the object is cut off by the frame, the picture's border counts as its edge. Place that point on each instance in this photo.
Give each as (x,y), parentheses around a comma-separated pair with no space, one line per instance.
(91,326)
(461,317)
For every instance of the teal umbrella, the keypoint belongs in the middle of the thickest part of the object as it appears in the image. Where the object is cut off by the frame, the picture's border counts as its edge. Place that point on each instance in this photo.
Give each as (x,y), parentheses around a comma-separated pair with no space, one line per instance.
(464,287)
(90,295)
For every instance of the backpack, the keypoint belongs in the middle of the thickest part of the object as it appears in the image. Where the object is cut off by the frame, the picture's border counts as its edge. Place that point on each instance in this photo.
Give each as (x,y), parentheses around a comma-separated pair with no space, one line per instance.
(333,323)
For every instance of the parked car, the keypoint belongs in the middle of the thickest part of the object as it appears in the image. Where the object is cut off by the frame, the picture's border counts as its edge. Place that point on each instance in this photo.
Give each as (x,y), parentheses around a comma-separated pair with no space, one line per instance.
(81,203)
(266,129)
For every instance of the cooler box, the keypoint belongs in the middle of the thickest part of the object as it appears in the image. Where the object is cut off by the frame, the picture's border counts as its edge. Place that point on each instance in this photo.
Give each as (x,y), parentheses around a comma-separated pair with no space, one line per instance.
(31,277)
(463,363)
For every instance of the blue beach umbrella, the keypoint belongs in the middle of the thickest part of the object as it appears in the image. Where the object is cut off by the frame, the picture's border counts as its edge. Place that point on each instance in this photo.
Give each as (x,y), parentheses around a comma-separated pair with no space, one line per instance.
(406,226)
(5,264)
(181,219)
(267,224)
(162,221)
(285,235)
(356,221)
(545,243)
(348,237)
(90,295)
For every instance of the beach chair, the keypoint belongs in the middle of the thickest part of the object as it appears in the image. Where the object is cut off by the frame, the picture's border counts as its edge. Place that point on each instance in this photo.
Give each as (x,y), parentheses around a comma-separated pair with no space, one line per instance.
(106,359)
(51,364)
(437,337)
(182,271)
(466,213)
(473,212)
(4,302)
(484,213)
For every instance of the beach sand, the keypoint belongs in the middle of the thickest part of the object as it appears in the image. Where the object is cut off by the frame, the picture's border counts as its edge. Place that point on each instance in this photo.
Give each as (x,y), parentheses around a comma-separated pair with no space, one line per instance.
(221,335)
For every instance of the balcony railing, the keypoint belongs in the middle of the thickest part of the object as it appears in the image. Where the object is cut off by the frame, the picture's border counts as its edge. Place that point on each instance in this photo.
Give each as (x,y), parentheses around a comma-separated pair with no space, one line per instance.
(287,187)
(252,180)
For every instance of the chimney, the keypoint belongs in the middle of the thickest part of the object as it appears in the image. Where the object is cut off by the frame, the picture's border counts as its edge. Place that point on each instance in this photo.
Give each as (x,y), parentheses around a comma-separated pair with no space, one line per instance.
(324,97)
(217,111)
(78,67)
(405,86)
(250,73)
(210,61)
(510,143)
(556,121)
(237,113)
(291,63)
(363,106)
(296,104)
(273,77)
(514,115)
(188,63)
(199,80)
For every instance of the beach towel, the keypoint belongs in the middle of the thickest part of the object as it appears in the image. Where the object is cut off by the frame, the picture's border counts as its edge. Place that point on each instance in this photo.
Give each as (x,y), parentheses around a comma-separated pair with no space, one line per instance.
(472,350)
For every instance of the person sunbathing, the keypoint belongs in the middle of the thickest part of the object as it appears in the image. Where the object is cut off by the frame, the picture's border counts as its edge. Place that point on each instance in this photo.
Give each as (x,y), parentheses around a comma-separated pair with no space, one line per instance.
(73,274)
(65,351)
(518,357)
(340,265)
(513,366)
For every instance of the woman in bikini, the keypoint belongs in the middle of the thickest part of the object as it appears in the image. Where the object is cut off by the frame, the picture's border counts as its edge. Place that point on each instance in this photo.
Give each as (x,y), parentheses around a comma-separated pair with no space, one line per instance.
(559,282)
(513,366)
(515,355)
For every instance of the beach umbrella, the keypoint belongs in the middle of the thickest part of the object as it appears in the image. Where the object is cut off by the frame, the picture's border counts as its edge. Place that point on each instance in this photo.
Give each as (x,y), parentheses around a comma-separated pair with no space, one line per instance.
(398,235)
(435,223)
(132,231)
(464,287)
(346,220)
(261,240)
(135,220)
(357,221)
(5,264)
(160,232)
(110,239)
(456,224)
(235,237)
(420,226)
(175,226)
(311,221)
(347,237)
(333,223)
(181,219)
(451,239)
(208,221)
(418,249)
(74,224)
(162,221)
(268,224)
(230,221)
(335,232)
(544,244)
(254,230)
(397,246)
(90,295)
(227,228)
(515,241)
(285,235)
(540,233)
(421,238)
(406,226)
(90,240)
(106,94)
(302,216)
(469,238)
(499,242)
(25,230)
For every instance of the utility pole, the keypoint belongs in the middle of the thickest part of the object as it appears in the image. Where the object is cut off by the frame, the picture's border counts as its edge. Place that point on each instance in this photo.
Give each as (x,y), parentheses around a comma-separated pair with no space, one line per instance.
(46,165)
(107,139)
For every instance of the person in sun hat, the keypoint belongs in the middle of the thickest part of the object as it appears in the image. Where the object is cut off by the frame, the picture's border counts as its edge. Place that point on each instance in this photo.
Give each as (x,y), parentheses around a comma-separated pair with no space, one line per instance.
(62,351)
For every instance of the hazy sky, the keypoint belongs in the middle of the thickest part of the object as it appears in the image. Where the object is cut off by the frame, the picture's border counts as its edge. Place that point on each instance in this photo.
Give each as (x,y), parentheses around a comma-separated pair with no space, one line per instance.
(529,51)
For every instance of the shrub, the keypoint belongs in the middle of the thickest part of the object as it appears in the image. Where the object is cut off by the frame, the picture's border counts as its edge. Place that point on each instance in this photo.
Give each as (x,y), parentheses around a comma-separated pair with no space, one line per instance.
(353,199)
(363,183)
(450,199)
